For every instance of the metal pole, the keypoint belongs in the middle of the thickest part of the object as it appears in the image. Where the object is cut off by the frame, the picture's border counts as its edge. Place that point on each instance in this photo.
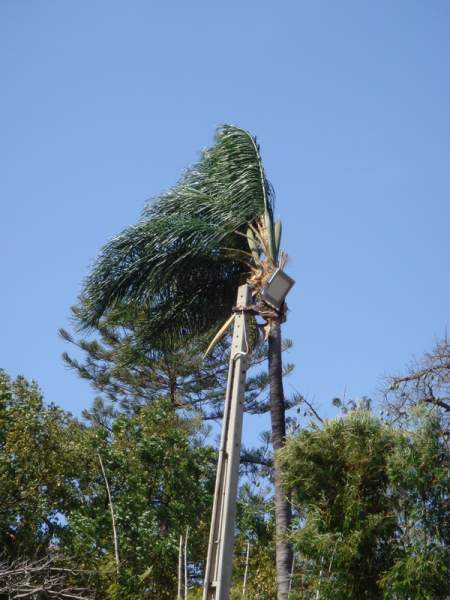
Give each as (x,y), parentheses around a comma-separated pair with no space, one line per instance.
(221,538)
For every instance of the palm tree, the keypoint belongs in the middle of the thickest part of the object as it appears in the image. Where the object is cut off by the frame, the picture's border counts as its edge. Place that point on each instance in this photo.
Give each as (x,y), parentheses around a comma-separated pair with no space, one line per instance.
(183,261)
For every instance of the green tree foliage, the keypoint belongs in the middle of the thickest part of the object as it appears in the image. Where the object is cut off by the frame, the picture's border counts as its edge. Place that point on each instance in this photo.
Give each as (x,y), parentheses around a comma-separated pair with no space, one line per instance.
(42,474)
(419,473)
(256,527)
(161,481)
(371,501)
(55,502)
(338,478)
(121,363)
(372,506)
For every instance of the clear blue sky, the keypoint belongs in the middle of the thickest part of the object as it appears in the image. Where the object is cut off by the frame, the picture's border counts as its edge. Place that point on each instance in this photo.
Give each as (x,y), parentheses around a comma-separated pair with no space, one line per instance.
(103,103)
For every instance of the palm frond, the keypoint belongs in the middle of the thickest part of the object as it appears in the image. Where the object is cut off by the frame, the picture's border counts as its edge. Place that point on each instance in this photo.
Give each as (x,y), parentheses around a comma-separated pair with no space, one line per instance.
(277,233)
(219,335)
(186,257)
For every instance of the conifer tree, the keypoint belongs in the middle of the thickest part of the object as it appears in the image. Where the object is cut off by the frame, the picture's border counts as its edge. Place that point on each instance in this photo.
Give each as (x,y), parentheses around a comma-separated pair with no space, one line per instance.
(121,363)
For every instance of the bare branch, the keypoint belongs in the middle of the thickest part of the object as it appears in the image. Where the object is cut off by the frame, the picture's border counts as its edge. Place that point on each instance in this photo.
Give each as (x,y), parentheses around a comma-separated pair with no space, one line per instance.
(26,579)
(426,382)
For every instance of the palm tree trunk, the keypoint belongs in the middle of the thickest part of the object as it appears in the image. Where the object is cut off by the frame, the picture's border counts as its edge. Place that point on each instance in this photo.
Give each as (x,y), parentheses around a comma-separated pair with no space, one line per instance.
(282,505)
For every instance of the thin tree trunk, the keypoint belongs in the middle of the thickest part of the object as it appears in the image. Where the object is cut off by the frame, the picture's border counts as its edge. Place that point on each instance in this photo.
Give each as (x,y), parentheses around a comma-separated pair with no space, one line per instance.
(185,564)
(282,505)
(113,519)
(180,568)
(247,557)
(320,579)
(292,573)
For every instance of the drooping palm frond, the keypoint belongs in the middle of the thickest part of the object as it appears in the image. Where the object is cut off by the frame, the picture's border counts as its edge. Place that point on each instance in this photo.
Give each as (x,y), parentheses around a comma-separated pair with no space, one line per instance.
(185,258)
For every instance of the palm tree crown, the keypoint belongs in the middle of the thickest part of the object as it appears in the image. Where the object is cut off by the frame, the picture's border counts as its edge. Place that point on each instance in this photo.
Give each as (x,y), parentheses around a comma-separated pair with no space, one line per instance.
(194,245)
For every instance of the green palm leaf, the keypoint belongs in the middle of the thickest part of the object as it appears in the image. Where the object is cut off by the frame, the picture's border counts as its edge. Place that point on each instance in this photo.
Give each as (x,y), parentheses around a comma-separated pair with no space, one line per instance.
(178,260)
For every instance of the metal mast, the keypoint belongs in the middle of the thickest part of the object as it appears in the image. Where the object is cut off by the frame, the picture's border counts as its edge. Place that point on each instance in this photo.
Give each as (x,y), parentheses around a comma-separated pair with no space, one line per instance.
(221,537)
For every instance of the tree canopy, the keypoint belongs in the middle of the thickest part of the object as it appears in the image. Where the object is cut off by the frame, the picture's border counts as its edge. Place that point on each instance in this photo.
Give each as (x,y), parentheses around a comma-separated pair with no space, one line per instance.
(372,508)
